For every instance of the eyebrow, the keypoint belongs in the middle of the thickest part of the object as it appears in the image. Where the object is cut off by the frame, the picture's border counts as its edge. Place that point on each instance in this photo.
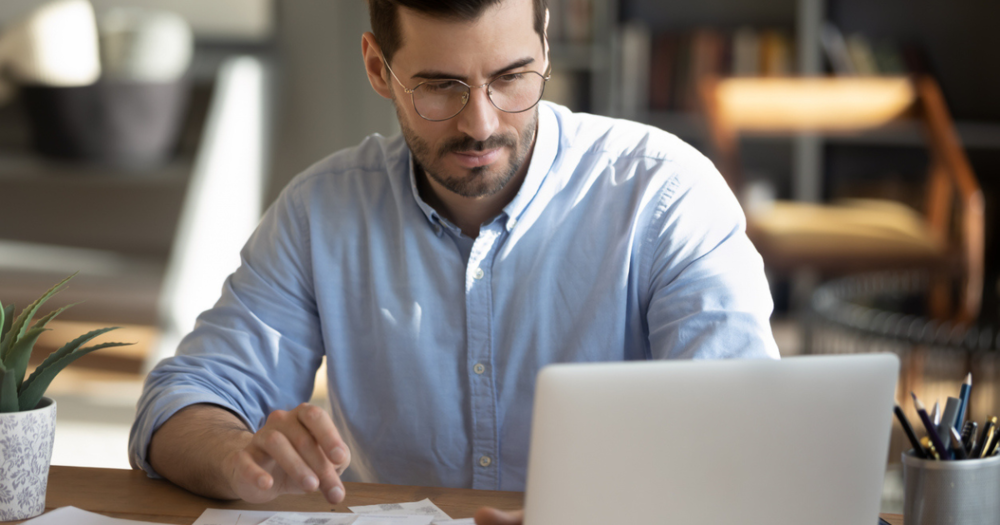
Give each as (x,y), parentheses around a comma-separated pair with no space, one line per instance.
(431,74)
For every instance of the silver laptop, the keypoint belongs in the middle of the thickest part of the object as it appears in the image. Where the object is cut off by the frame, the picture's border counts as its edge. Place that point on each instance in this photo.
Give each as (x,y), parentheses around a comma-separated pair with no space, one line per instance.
(749,442)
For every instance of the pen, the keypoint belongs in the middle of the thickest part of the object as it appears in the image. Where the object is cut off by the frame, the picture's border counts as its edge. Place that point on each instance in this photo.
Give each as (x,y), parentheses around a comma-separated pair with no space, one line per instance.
(969,436)
(905,423)
(964,396)
(956,440)
(978,449)
(931,451)
(991,449)
(936,413)
(986,439)
(948,420)
(931,429)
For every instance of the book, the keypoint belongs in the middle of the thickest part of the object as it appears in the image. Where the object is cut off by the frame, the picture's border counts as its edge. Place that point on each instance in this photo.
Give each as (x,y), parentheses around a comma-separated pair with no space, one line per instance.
(636,64)
(746,52)
(836,50)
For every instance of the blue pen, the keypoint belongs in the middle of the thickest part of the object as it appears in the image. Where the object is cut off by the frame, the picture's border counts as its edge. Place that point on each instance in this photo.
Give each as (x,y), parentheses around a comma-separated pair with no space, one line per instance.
(964,397)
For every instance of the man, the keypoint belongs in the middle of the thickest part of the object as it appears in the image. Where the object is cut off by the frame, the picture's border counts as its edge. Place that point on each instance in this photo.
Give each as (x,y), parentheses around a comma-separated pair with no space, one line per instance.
(440,270)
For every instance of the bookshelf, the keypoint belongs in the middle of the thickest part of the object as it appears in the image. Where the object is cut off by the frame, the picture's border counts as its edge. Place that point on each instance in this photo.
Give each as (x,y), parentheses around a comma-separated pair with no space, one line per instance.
(584,53)
(936,25)
(957,39)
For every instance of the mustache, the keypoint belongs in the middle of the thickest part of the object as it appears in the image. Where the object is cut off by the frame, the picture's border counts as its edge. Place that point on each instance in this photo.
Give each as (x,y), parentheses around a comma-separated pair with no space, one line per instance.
(467,143)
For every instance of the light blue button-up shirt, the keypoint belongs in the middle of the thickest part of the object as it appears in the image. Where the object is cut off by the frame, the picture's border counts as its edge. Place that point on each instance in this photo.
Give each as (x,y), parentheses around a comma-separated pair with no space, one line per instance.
(623,243)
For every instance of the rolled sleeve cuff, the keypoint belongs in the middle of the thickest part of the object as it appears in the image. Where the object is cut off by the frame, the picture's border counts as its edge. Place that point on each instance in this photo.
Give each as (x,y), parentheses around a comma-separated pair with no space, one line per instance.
(154,412)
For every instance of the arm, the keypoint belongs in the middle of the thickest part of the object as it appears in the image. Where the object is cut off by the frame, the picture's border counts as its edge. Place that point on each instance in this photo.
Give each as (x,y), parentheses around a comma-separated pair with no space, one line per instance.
(217,408)
(706,293)
(208,450)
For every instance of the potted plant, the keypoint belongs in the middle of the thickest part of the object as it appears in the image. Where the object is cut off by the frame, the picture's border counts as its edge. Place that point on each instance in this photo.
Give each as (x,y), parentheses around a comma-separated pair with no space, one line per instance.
(27,419)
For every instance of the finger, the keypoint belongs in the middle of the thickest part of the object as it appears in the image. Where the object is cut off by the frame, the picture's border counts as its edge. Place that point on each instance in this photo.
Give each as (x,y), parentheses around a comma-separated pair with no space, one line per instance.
(250,481)
(317,461)
(293,427)
(319,424)
(276,445)
(491,516)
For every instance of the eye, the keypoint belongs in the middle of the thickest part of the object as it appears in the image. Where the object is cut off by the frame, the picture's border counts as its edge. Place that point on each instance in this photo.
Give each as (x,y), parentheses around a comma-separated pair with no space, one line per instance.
(442,86)
(510,77)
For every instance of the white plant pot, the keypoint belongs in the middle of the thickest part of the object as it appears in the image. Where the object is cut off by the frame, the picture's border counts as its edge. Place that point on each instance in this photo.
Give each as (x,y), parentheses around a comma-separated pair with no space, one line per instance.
(25,452)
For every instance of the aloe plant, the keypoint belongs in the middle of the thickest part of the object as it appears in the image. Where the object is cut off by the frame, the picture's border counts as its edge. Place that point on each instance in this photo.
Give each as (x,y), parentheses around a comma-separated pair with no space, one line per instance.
(17,340)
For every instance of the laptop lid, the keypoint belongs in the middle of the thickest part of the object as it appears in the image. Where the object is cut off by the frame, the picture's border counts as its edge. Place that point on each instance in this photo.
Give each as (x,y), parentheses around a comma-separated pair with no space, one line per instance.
(754,442)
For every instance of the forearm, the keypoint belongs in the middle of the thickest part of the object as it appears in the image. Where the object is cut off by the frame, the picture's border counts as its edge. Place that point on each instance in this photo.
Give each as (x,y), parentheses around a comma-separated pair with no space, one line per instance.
(190,449)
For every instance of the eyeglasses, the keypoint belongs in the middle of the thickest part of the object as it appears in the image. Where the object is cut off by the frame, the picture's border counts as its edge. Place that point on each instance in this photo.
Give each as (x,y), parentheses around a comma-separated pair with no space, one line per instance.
(439,100)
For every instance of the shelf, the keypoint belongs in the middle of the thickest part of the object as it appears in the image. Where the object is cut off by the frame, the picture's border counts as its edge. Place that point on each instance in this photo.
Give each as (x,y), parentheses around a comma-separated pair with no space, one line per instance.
(25,166)
(973,135)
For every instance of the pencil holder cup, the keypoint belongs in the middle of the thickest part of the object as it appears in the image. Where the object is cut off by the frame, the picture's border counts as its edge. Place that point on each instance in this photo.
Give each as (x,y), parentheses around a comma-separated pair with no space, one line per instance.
(965,492)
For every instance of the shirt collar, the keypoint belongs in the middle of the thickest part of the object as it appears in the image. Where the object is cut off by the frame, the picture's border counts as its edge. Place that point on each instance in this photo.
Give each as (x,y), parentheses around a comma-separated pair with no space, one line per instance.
(436,220)
(544,153)
(546,146)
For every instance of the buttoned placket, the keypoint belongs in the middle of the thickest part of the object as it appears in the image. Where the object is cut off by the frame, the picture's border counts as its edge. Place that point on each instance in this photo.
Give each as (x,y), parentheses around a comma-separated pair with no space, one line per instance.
(482,380)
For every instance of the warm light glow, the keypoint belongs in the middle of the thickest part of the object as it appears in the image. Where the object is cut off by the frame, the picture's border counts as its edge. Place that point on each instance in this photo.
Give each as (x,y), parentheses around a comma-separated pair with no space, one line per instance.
(812,103)
(55,45)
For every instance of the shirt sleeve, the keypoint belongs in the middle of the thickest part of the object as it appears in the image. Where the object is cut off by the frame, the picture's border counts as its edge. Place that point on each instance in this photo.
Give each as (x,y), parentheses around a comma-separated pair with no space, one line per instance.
(708,297)
(257,350)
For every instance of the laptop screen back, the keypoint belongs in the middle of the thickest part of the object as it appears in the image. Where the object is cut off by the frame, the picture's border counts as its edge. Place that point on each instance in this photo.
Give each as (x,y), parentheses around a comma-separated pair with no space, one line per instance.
(752,442)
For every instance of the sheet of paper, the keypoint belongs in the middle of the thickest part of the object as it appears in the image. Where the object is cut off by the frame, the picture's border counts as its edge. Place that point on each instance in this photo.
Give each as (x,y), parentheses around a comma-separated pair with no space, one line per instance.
(64,515)
(297,518)
(424,506)
(256,517)
(393,519)
(463,521)
(263,517)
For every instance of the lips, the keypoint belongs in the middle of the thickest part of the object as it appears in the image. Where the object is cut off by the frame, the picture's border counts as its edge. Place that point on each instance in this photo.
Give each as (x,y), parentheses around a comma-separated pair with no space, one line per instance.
(474,159)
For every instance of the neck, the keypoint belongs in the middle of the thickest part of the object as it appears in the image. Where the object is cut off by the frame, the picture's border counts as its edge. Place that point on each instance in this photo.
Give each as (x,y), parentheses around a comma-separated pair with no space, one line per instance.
(469,213)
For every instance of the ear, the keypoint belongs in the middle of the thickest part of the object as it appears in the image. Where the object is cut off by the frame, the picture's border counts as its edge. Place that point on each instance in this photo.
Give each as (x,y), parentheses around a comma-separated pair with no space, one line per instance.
(374,66)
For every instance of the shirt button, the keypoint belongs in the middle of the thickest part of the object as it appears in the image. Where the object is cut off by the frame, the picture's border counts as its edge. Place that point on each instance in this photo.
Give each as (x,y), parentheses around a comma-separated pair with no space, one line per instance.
(511,224)
(479,273)
(485,461)
(479,368)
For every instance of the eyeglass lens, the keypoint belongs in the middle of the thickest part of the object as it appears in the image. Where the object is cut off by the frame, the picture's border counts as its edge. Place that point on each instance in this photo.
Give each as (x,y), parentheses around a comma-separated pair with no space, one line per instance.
(513,93)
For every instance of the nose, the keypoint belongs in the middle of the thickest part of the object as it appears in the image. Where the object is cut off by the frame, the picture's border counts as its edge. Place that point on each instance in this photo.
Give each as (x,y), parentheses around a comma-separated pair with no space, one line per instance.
(479,119)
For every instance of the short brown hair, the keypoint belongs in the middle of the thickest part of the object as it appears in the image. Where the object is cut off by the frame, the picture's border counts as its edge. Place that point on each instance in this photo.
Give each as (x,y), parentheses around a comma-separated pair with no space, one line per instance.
(385,20)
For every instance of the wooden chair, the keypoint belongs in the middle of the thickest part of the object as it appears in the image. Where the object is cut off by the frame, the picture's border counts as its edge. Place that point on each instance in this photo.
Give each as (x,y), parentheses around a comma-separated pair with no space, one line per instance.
(859,235)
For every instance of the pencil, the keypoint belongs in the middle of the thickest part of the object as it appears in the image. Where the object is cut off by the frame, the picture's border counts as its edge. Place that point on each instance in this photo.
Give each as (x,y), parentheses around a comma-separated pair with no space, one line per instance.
(957,447)
(964,396)
(912,436)
(931,429)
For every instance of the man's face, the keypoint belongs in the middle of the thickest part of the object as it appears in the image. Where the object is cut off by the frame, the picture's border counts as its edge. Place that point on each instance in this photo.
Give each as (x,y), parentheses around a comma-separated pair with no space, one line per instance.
(475,153)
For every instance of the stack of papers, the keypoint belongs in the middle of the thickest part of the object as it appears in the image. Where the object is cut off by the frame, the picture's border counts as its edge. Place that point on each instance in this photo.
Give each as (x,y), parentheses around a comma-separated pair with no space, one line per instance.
(411,513)
(422,512)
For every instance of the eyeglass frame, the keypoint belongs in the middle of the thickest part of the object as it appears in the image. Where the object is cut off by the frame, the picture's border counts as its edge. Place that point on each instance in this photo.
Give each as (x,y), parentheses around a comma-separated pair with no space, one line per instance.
(545,78)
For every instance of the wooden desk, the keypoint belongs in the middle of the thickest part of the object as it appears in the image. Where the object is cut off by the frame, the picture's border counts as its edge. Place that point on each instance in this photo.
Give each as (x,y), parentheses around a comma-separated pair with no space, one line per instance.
(130,494)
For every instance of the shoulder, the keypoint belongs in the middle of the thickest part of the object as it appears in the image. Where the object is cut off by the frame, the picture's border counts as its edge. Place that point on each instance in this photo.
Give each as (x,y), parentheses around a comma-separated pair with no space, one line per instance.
(370,167)
(667,173)
(619,139)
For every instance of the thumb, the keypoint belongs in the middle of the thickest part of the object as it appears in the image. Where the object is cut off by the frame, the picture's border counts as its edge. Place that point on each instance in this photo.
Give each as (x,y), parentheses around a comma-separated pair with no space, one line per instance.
(491,516)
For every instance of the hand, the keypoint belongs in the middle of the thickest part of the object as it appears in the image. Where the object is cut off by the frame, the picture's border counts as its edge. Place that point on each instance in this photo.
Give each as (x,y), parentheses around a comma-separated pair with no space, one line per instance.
(491,516)
(294,452)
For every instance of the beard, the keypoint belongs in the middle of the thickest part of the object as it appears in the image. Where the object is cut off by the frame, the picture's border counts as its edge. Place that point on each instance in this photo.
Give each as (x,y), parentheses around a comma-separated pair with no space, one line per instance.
(481,181)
